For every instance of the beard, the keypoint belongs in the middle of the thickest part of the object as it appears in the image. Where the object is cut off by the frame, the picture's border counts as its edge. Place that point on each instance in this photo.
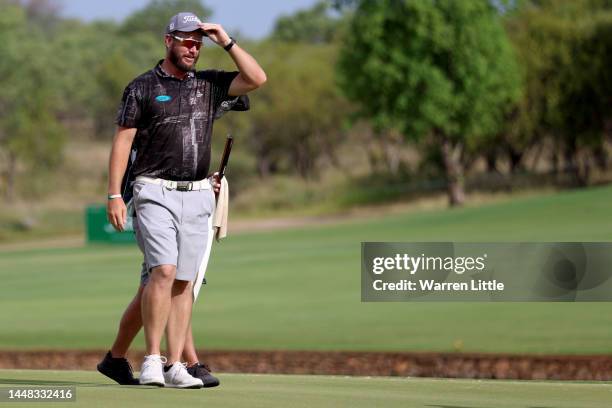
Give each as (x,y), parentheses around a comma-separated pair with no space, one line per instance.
(177,59)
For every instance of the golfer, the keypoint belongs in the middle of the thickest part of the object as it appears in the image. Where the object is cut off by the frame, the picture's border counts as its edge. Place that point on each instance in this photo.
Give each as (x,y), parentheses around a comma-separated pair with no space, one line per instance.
(168,112)
(115,364)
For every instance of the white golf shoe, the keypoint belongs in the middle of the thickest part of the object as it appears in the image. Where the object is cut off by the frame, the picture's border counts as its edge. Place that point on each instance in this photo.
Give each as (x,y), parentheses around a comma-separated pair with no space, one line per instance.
(178,377)
(152,371)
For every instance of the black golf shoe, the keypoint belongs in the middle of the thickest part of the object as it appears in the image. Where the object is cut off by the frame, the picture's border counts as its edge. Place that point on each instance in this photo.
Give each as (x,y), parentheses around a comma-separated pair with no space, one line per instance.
(202,371)
(117,369)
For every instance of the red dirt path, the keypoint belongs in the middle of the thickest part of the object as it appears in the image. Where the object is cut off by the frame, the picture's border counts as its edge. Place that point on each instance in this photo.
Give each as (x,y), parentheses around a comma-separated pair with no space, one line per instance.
(451,365)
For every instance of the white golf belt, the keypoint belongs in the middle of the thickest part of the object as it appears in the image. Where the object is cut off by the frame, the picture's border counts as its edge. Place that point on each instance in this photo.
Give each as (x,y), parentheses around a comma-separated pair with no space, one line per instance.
(195,185)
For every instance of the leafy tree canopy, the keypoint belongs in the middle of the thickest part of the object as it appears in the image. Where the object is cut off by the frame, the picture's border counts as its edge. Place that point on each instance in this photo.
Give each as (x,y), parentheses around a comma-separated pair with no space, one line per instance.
(154,17)
(314,25)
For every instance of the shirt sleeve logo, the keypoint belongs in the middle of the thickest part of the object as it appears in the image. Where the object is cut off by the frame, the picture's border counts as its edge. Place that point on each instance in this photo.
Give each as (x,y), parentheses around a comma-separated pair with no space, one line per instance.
(163,98)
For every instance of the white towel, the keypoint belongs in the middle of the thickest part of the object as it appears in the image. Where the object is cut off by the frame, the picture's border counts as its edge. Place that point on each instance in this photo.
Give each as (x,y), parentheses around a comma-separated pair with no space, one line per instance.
(218,225)
(221,211)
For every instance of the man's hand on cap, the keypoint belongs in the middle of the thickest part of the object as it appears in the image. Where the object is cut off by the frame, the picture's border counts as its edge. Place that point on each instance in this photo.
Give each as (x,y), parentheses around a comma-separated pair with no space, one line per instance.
(216,33)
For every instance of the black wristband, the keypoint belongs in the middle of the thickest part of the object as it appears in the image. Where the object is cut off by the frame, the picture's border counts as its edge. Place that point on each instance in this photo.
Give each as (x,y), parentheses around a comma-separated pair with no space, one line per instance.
(230,45)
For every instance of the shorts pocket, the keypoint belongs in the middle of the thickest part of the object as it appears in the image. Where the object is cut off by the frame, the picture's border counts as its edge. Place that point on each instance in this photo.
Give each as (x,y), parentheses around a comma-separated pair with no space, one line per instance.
(144,193)
(138,189)
(209,202)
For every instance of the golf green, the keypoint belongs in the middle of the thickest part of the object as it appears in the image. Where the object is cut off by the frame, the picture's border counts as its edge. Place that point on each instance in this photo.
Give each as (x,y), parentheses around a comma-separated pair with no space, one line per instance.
(271,391)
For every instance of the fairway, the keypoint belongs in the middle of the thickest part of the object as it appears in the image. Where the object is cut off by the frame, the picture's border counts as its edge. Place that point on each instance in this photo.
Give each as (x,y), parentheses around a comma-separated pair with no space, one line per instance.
(299,289)
(272,391)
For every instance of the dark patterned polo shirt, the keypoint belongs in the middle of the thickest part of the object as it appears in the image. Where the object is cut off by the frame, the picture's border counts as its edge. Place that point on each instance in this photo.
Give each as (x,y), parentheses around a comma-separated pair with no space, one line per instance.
(174,119)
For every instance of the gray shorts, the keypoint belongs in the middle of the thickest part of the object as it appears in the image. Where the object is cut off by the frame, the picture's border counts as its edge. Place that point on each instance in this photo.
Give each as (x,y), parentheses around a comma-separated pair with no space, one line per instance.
(173,228)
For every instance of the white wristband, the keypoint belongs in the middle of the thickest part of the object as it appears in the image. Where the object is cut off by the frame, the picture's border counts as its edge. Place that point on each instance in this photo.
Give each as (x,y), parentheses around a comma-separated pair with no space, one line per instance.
(113,196)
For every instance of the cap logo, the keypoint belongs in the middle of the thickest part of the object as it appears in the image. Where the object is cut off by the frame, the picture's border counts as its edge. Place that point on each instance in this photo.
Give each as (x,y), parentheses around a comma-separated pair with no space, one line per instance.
(191,19)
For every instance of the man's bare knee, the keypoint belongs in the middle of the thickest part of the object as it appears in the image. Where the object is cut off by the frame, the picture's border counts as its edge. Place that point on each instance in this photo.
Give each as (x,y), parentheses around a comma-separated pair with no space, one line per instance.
(164,273)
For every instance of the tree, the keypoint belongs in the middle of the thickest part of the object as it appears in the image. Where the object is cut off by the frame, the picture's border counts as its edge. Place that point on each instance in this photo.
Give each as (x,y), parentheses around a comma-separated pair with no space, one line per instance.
(565,59)
(112,76)
(297,118)
(29,130)
(585,99)
(90,80)
(154,17)
(314,25)
(45,14)
(74,63)
(443,71)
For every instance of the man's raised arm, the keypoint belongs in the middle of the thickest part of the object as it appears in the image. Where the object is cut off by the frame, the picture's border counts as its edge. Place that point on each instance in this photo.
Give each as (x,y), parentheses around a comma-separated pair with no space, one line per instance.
(251,75)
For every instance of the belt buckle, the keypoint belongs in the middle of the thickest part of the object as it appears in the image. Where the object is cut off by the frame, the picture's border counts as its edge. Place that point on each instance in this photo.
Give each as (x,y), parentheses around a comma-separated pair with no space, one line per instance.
(184,185)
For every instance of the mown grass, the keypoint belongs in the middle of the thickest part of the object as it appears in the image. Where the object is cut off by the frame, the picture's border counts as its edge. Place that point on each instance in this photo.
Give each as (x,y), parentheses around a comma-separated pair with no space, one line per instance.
(271,391)
(300,288)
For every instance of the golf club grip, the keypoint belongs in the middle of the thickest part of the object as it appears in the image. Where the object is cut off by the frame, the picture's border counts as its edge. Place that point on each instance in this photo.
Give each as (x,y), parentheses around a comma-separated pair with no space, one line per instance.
(225,158)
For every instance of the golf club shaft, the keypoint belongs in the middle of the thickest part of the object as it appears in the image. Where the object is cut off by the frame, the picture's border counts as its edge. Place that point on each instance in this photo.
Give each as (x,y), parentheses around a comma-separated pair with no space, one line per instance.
(226,153)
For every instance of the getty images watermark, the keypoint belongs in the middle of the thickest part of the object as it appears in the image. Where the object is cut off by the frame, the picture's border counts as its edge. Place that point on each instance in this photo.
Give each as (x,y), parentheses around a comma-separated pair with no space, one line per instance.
(451,271)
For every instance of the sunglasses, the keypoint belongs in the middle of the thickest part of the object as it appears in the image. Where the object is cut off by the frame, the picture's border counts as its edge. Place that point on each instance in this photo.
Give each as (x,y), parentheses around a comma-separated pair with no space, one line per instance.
(187,42)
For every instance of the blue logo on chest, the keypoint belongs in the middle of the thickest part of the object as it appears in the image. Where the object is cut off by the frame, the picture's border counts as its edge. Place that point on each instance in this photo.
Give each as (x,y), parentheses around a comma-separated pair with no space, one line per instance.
(163,98)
